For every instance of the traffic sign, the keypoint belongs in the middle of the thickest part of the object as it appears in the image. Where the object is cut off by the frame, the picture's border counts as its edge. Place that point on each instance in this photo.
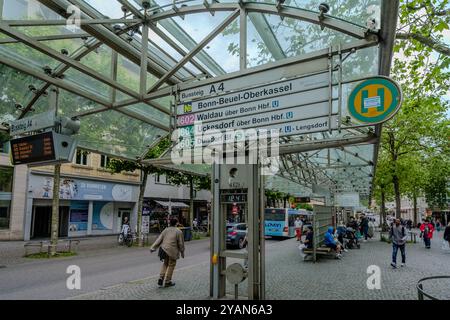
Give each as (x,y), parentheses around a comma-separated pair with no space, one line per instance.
(375,100)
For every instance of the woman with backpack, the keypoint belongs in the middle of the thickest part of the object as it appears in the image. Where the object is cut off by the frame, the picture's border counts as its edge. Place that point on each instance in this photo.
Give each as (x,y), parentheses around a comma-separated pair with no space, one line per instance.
(427,233)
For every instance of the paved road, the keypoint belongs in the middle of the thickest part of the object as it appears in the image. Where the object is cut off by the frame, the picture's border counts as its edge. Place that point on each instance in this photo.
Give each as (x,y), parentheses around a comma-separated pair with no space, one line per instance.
(44,279)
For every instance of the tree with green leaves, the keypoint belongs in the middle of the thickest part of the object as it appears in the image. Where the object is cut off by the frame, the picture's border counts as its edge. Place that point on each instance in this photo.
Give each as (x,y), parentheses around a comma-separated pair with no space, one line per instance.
(437,183)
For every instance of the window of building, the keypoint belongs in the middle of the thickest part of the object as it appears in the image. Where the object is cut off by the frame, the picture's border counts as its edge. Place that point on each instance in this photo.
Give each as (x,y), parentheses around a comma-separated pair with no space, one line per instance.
(82,157)
(6,179)
(6,184)
(4,144)
(161,179)
(104,161)
(4,213)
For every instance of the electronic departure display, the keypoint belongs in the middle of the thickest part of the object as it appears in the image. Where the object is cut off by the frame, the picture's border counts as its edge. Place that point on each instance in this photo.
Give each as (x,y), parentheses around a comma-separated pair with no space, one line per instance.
(31,149)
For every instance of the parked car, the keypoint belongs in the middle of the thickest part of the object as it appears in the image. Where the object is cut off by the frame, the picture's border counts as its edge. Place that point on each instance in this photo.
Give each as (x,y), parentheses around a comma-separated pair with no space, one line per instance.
(235,235)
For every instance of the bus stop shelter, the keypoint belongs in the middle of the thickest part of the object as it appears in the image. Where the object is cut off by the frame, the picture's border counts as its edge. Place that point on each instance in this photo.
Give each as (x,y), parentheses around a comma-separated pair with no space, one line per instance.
(120,67)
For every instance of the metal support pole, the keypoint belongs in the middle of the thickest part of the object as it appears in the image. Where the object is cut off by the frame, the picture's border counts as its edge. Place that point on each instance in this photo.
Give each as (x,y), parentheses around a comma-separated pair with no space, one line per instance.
(254,289)
(54,94)
(114,64)
(217,239)
(1,9)
(143,71)
(243,39)
(340,87)
(330,86)
(262,248)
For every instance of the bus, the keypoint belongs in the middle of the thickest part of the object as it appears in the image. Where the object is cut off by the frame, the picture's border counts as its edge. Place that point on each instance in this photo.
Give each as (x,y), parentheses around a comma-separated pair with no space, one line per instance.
(279,222)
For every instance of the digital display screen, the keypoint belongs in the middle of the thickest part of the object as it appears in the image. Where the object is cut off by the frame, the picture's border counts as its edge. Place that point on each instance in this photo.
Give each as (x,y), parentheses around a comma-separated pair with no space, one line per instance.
(31,149)
(234,197)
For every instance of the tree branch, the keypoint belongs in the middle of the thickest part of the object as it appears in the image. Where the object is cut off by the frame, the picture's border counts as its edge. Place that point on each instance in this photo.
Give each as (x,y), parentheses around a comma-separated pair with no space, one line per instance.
(435,45)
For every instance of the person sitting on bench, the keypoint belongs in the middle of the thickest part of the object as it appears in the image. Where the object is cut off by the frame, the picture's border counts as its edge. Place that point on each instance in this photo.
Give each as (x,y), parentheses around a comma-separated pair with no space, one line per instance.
(330,242)
(309,238)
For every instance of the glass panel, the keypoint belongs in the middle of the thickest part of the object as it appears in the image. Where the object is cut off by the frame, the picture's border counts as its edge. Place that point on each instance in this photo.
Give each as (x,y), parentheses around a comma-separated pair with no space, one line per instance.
(27,10)
(71,104)
(114,133)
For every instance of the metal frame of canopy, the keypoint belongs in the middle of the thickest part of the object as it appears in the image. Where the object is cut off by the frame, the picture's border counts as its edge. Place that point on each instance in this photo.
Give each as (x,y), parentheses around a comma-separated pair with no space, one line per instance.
(99,30)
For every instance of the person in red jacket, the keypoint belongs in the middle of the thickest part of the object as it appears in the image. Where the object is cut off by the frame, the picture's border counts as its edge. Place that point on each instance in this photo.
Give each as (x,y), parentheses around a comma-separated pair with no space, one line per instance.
(427,233)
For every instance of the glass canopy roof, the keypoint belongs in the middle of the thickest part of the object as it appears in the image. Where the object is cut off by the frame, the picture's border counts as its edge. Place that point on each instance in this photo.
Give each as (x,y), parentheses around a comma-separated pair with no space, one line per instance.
(104,73)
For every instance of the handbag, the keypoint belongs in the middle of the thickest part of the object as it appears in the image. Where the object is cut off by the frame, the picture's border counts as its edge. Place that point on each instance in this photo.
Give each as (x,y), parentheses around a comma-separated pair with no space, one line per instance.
(162,254)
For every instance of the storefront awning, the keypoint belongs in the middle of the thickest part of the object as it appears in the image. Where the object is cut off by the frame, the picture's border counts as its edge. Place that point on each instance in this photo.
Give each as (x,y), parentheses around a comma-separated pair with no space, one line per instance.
(172,204)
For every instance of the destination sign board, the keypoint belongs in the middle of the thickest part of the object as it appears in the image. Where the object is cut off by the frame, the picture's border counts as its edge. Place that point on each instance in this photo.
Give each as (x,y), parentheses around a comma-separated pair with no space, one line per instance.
(252,77)
(37,122)
(302,199)
(187,138)
(289,107)
(260,95)
(37,148)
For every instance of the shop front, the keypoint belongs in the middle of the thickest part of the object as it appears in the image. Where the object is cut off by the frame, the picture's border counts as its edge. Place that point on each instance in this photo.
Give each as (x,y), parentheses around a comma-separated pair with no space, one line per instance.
(87,207)
(160,209)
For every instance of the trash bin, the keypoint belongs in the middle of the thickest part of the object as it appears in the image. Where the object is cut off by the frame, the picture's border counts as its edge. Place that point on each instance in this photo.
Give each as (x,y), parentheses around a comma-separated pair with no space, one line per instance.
(187,233)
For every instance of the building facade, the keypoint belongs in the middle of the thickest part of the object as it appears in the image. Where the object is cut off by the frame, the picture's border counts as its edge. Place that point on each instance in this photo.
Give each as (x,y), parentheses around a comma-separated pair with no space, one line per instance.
(92,200)
(13,186)
(163,199)
(407,208)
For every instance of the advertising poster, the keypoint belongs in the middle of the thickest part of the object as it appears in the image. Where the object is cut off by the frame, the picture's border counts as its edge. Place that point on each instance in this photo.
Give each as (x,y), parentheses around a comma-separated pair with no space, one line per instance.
(78,189)
(102,216)
(78,216)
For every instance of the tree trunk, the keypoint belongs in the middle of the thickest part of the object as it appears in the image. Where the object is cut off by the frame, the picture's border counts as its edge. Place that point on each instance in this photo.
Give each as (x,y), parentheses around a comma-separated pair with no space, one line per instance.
(140,236)
(383,209)
(396,182)
(55,210)
(191,202)
(415,208)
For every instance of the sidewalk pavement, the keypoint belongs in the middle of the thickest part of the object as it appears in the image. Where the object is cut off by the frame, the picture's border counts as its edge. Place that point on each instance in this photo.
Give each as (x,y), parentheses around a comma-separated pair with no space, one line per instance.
(289,277)
(12,252)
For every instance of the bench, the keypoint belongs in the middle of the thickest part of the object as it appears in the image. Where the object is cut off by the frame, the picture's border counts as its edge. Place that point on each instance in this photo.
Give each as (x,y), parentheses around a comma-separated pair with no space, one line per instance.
(320,251)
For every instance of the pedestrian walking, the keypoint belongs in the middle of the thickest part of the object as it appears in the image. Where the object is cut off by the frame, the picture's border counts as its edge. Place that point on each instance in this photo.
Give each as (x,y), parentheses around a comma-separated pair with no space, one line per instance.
(171,245)
(447,234)
(398,236)
(427,233)
(438,225)
(365,227)
(298,224)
